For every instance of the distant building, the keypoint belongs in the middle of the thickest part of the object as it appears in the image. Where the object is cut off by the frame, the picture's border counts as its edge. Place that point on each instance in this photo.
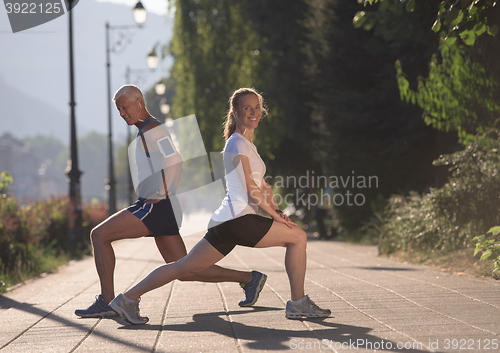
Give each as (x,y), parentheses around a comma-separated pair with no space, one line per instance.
(33,179)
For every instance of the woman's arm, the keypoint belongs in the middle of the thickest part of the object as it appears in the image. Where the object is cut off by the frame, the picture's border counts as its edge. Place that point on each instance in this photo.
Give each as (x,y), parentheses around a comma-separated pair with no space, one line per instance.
(268,193)
(256,194)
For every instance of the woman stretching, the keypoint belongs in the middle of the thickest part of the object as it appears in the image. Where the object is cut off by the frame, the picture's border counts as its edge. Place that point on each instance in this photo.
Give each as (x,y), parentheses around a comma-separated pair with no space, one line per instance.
(236,222)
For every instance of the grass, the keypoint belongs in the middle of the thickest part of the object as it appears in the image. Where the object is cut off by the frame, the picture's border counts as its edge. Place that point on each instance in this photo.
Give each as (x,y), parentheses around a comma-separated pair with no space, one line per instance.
(43,261)
(459,262)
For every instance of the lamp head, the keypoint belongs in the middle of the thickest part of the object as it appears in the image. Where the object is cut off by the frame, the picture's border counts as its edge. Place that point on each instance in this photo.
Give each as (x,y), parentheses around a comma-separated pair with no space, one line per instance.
(140,14)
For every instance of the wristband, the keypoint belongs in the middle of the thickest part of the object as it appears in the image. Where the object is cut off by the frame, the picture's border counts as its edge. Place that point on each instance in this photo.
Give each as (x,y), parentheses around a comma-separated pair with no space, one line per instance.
(278,211)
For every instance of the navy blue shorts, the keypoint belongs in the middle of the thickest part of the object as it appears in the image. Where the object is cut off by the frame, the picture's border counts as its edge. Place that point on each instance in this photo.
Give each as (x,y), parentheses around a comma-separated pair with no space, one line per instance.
(160,217)
(246,230)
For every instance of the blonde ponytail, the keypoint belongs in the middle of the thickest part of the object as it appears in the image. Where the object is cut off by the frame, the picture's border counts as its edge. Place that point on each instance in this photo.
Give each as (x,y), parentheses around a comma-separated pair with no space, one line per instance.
(229,125)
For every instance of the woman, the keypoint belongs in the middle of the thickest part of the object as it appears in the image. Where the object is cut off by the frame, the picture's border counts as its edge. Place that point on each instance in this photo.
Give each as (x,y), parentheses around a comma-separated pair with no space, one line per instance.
(236,221)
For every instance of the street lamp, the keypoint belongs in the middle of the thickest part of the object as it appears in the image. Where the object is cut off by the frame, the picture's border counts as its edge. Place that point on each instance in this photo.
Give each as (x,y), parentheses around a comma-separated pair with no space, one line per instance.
(164,107)
(140,15)
(160,87)
(75,234)
(152,59)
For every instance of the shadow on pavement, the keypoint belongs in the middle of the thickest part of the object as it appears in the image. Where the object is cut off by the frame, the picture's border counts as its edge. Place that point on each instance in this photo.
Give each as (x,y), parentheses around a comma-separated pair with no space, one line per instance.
(261,338)
(7,303)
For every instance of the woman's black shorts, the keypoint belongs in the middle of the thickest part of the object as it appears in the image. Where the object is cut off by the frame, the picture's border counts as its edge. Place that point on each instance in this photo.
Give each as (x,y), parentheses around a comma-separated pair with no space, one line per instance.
(160,217)
(246,230)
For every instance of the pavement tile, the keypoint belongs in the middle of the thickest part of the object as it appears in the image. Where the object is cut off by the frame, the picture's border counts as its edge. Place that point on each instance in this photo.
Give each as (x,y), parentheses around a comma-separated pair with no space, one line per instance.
(375,303)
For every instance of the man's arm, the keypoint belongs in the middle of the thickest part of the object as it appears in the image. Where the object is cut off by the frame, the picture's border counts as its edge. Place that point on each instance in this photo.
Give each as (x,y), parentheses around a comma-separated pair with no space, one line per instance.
(166,161)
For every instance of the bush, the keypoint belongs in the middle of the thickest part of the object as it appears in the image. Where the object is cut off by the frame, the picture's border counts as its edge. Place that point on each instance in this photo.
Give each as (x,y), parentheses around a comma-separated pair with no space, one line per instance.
(33,237)
(448,218)
(489,245)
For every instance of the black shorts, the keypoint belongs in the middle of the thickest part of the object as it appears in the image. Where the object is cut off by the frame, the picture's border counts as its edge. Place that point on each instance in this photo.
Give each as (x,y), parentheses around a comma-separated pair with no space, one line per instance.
(246,230)
(159,217)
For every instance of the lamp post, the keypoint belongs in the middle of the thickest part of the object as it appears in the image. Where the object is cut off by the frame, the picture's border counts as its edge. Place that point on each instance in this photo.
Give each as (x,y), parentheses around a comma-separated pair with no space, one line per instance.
(75,235)
(140,15)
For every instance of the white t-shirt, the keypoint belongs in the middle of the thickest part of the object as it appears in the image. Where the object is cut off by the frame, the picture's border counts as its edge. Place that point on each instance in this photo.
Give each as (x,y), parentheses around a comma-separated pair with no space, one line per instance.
(152,169)
(237,203)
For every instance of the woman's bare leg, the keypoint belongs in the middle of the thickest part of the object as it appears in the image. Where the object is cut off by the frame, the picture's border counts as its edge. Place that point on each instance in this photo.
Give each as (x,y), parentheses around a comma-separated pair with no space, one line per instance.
(295,241)
(202,256)
(172,248)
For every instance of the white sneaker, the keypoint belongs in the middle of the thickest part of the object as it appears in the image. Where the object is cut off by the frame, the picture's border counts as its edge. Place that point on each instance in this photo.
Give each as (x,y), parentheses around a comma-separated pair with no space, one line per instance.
(128,309)
(307,308)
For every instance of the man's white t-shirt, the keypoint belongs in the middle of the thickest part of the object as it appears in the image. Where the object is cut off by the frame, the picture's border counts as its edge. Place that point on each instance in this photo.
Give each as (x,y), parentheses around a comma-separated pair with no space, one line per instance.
(153,169)
(237,203)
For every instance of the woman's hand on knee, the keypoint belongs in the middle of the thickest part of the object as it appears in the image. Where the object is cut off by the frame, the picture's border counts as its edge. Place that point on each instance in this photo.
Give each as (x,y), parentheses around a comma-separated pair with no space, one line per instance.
(283,218)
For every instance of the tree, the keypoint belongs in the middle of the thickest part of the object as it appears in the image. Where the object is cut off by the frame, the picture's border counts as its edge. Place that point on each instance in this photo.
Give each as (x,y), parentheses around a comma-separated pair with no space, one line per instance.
(334,104)
(363,128)
(49,150)
(212,46)
(467,19)
(461,90)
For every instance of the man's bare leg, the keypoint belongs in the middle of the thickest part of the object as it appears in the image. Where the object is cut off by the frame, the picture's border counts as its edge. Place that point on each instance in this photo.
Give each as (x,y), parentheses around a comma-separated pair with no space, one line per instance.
(121,225)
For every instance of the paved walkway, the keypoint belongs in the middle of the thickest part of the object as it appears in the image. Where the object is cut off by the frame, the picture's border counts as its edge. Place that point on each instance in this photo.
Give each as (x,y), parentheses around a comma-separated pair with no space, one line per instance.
(376,304)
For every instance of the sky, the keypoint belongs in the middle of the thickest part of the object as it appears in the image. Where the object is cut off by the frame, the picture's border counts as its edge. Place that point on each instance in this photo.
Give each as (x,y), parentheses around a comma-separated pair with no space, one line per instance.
(34,77)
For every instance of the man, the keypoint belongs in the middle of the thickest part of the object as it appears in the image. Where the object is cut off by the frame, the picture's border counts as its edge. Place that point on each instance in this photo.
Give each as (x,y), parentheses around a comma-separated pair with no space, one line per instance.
(154,213)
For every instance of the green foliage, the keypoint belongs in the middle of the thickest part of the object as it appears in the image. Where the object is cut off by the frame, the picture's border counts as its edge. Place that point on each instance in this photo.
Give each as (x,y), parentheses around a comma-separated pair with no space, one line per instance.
(456,95)
(362,128)
(467,19)
(489,245)
(93,161)
(459,90)
(446,219)
(213,46)
(5,180)
(33,236)
(49,148)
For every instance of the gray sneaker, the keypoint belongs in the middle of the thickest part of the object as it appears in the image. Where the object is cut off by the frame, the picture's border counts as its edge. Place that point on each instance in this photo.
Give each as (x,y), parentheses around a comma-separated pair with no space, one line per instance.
(253,288)
(307,309)
(128,309)
(98,309)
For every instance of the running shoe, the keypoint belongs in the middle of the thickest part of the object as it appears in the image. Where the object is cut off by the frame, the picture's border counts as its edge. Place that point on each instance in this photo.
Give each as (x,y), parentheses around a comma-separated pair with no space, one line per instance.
(253,288)
(307,308)
(98,309)
(128,309)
